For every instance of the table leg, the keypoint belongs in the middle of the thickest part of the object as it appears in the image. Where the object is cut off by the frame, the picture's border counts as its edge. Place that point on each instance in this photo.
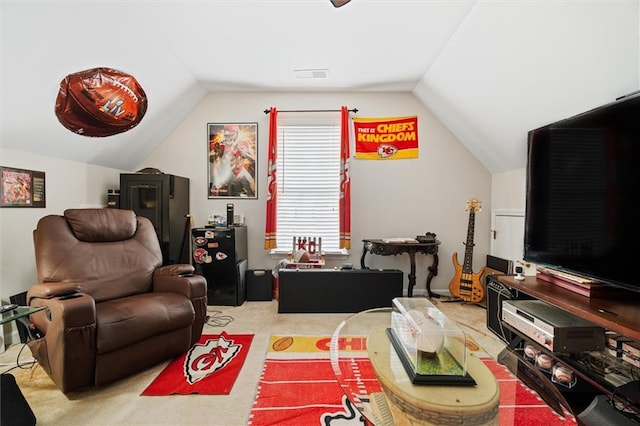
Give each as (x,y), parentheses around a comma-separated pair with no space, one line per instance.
(433,271)
(364,253)
(412,274)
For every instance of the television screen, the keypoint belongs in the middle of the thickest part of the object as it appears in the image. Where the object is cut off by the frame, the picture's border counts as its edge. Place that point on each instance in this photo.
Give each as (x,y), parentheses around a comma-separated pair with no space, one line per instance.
(583,177)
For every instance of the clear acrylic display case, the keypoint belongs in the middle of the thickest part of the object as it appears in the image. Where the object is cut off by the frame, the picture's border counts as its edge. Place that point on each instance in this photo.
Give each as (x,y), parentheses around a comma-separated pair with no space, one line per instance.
(431,347)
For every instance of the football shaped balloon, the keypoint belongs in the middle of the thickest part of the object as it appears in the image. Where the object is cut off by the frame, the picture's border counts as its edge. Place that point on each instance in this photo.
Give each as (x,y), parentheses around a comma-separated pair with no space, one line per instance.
(100,102)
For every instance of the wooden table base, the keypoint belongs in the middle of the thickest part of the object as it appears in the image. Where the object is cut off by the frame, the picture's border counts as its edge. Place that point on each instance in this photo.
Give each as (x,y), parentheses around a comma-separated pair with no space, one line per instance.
(428,404)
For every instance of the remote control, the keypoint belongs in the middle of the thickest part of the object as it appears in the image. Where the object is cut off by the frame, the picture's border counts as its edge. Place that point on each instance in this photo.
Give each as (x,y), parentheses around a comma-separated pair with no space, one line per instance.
(7,308)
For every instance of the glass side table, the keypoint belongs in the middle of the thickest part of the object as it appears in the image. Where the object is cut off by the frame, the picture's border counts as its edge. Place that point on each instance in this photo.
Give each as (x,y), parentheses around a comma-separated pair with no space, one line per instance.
(19,312)
(401,402)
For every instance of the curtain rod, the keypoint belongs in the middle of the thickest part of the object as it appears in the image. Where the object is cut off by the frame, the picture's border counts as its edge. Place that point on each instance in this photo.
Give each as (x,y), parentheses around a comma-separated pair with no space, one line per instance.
(354,110)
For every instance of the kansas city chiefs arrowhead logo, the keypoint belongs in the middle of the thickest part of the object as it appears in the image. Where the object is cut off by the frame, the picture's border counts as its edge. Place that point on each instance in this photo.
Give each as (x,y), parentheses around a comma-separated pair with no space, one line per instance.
(205,359)
(221,256)
(385,151)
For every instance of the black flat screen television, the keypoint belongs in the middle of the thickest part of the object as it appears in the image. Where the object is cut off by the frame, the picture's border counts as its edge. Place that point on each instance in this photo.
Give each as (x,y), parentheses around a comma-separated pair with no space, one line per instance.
(582,192)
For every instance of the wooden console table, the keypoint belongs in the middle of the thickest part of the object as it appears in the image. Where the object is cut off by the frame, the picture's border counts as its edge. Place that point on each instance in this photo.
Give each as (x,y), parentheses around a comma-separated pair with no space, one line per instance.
(383,248)
(618,313)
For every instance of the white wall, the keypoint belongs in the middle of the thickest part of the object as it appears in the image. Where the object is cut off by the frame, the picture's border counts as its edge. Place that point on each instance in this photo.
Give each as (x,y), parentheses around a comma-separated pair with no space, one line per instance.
(389,198)
(68,184)
(508,190)
(508,208)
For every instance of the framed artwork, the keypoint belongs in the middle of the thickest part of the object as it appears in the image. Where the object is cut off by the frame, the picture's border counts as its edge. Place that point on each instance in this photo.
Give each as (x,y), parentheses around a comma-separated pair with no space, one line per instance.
(22,188)
(232,156)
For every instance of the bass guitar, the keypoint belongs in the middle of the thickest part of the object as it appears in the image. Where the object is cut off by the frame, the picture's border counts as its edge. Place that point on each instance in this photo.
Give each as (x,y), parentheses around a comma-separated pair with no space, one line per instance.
(465,284)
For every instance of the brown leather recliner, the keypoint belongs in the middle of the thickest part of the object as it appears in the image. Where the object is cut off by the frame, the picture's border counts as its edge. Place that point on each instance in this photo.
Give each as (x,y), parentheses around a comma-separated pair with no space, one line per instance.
(112,309)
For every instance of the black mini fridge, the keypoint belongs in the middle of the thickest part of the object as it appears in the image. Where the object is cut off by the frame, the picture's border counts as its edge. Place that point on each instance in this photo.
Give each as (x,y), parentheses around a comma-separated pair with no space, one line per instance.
(220,255)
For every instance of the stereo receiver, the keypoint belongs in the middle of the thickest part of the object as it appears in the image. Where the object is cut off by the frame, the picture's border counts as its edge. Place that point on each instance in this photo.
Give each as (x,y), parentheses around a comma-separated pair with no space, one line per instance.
(551,327)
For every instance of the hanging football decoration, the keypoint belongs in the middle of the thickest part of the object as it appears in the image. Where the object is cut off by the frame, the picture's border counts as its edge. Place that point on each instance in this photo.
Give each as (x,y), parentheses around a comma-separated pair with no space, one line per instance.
(100,102)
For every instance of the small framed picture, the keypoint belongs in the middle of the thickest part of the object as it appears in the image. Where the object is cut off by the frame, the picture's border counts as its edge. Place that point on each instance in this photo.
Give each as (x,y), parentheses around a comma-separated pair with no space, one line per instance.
(22,188)
(232,157)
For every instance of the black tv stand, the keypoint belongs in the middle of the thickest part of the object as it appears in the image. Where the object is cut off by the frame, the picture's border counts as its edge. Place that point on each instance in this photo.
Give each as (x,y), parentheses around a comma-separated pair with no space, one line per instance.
(592,369)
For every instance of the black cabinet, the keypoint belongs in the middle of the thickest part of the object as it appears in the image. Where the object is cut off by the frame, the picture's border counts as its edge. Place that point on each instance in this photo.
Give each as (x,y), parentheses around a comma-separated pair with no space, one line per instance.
(220,255)
(163,199)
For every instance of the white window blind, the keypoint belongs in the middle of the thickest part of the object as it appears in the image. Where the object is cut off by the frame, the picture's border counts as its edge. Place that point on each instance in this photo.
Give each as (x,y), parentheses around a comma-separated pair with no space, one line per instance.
(308,177)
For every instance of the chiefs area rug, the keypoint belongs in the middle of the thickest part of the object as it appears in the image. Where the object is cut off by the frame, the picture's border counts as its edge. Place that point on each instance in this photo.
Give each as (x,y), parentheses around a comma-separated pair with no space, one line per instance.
(298,387)
(210,367)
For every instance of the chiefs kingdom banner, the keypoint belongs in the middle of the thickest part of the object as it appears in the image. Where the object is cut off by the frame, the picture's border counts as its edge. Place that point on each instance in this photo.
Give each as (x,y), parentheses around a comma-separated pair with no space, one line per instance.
(388,138)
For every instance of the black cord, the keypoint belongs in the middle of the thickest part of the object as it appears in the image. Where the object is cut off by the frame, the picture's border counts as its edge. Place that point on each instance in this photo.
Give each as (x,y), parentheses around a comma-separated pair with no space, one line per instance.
(620,405)
(26,366)
(216,320)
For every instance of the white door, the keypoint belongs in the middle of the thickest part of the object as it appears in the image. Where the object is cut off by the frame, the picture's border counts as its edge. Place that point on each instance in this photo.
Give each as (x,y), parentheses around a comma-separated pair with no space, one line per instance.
(507,241)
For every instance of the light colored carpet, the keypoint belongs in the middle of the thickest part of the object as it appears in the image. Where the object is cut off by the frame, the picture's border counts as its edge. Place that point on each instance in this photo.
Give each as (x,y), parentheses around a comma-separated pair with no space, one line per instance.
(121,404)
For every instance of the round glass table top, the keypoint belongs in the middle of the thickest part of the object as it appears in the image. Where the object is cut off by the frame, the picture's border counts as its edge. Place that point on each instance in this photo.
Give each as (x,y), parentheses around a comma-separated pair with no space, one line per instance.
(366,395)
(393,398)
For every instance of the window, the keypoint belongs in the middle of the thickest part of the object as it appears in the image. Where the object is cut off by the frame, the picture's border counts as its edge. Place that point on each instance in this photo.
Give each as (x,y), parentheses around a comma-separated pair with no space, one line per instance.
(308,177)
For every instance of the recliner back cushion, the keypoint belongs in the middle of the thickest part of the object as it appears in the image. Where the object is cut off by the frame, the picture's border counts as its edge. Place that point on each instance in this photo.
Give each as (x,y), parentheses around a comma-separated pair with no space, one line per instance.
(108,253)
(101,225)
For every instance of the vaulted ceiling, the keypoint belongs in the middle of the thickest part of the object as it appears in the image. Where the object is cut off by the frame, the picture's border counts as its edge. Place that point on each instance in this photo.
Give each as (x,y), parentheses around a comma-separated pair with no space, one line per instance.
(489,70)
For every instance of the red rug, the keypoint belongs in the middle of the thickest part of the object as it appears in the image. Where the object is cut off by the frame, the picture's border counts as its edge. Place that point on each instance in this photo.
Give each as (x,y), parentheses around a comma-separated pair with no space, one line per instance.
(298,387)
(210,367)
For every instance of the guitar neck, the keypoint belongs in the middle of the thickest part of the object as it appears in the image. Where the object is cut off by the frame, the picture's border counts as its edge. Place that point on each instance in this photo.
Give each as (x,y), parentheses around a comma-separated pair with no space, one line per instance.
(467,266)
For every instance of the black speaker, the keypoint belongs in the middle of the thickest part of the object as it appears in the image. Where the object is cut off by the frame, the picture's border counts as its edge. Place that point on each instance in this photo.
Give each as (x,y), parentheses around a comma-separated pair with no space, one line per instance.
(496,293)
(495,266)
(229,215)
(14,409)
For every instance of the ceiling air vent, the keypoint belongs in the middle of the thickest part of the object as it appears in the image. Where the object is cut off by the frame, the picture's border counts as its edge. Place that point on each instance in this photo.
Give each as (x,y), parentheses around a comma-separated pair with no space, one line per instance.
(312,73)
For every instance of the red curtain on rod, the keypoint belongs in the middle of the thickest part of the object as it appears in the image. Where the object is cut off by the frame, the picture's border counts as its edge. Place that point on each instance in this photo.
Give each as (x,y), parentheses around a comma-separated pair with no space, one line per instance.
(345,181)
(271,216)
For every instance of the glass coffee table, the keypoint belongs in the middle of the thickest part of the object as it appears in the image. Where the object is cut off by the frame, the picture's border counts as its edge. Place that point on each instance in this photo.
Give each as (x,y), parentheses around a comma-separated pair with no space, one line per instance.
(397,400)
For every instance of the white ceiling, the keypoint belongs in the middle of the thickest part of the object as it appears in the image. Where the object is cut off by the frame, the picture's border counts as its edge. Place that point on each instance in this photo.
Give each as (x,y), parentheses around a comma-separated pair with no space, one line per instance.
(490,70)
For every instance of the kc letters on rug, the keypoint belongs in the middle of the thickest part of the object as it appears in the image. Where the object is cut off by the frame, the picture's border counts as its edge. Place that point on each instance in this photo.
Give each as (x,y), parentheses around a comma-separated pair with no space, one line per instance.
(298,387)
(210,367)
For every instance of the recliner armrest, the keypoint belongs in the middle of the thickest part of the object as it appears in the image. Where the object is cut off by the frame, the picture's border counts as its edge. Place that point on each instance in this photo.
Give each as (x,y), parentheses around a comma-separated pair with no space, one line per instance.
(191,286)
(180,279)
(51,289)
(177,269)
(77,310)
(67,352)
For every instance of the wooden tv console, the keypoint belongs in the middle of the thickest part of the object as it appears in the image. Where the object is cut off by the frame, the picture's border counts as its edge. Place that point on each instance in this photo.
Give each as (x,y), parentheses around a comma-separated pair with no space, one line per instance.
(619,314)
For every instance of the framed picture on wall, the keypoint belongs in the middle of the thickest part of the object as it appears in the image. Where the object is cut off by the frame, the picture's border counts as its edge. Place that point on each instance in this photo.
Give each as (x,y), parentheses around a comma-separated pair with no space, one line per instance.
(22,188)
(232,155)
